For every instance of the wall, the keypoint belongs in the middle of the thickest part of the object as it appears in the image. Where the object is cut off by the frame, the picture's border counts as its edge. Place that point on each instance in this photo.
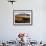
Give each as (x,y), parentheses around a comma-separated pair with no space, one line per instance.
(37,31)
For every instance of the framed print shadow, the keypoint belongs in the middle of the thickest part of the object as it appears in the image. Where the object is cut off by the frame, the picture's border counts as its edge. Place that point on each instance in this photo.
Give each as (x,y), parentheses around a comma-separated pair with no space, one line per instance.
(22,17)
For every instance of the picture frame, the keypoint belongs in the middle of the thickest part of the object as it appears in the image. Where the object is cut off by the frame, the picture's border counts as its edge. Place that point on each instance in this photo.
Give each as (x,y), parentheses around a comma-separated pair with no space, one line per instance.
(22,17)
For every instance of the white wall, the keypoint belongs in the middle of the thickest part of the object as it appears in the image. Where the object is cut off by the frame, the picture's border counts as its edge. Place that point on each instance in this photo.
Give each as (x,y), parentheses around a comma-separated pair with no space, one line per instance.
(38,30)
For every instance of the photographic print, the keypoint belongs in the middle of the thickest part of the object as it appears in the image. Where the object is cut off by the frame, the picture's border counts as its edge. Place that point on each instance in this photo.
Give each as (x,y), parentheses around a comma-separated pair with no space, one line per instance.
(22,17)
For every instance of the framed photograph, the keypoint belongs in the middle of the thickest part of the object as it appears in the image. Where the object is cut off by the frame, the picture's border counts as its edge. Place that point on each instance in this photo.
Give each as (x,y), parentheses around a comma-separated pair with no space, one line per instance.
(22,17)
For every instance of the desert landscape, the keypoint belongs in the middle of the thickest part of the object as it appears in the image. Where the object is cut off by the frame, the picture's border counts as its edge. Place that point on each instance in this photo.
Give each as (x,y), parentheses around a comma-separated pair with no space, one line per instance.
(22,18)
